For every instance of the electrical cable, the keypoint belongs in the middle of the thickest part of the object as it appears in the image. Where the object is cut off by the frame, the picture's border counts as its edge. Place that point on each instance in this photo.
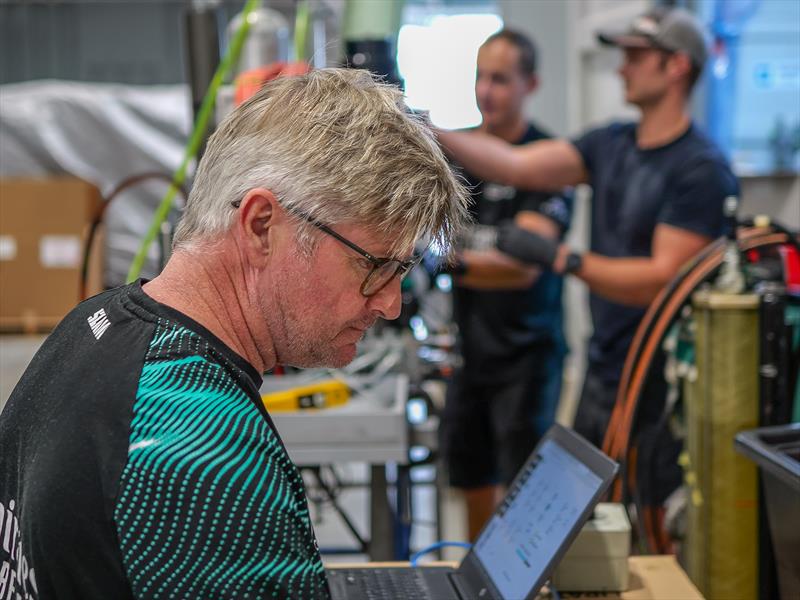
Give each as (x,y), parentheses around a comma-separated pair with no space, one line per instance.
(651,330)
(642,333)
(655,307)
(618,443)
(553,592)
(196,138)
(97,219)
(435,546)
(621,436)
(704,270)
(760,222)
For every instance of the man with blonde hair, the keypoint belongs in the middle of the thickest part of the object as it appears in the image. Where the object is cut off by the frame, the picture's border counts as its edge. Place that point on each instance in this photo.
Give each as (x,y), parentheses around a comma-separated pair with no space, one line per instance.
(136,457)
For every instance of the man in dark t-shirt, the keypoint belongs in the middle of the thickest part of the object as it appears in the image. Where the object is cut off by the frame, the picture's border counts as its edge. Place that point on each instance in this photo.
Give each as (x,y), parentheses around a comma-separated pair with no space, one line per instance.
(658,191)
(504,396)
(680,185)
(137,460)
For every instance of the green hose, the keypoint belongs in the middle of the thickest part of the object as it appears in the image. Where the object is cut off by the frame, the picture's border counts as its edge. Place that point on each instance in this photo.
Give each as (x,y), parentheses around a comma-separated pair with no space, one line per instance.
(301,23)
(196,139)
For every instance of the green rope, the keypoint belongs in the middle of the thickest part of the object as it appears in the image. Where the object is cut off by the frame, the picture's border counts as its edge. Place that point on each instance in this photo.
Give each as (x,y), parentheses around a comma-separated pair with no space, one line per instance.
(196,139)
(301,23)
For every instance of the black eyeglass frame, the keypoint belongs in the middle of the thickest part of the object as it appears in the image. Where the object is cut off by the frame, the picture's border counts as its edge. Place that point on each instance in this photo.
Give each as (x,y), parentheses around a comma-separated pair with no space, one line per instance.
(377,262)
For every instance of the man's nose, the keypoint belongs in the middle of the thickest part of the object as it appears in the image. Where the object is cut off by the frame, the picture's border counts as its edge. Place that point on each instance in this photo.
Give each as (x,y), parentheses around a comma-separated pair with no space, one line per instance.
(388,300)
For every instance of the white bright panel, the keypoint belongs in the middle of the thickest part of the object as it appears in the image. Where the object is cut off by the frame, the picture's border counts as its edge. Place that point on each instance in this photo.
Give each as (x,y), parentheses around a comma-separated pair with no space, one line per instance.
(437,61)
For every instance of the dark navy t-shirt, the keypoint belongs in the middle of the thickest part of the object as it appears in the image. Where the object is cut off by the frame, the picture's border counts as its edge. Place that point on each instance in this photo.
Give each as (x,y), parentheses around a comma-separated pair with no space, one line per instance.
(683,184)
(500,328)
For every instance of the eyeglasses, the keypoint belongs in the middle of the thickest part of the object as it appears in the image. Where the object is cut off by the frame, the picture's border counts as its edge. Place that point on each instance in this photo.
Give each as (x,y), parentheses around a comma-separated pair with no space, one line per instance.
(383,269)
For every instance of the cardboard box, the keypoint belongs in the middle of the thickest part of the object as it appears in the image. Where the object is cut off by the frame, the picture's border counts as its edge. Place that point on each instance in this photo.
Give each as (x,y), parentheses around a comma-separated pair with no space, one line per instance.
(43,228)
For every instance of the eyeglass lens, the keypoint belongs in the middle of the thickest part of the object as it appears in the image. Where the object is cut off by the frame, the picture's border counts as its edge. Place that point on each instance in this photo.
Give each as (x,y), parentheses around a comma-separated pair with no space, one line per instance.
(380,276)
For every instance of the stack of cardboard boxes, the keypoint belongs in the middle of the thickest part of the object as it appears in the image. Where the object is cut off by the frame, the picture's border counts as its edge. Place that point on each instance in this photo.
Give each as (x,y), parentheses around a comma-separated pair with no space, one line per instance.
(44,224)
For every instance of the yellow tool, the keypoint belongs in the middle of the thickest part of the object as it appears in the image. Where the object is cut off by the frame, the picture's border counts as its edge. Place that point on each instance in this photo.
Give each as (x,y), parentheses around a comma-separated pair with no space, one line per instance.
(322,394)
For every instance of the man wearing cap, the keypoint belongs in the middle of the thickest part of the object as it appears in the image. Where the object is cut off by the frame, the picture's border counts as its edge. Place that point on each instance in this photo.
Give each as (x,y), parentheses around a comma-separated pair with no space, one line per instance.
(658,191)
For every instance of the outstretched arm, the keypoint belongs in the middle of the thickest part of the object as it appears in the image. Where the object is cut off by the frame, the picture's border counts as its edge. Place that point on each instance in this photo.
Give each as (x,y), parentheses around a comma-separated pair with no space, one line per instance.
(541,165)
(637,281)
(634,281)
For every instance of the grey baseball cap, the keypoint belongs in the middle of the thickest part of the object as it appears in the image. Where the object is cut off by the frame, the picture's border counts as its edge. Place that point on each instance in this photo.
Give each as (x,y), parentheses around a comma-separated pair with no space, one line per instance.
(673,30)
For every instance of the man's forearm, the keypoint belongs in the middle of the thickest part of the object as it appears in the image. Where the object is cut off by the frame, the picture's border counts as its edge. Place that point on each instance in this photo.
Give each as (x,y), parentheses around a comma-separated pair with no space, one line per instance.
(542,165)
(484,156)
(630,281)
(491,270)
(634,281)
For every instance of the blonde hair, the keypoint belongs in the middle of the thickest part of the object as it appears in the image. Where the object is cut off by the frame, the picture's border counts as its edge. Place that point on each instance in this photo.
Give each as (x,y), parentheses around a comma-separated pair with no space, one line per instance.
(337,144)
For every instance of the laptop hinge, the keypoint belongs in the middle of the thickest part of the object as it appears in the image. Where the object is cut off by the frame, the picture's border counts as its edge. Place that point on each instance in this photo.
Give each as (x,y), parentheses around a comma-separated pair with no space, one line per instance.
(462,588)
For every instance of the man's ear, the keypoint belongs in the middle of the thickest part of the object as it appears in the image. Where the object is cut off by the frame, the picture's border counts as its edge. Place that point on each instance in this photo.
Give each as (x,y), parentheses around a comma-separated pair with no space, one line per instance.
(680,65)
(256,219)
(532,84)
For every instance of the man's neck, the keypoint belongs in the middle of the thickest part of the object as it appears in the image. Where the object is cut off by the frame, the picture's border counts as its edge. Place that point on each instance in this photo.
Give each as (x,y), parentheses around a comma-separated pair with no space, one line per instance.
(511,132)
(662,123)
(190,283)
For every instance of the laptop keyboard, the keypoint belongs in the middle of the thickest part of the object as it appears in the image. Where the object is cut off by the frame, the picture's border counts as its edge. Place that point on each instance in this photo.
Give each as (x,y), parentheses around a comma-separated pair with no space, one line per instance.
(380,584)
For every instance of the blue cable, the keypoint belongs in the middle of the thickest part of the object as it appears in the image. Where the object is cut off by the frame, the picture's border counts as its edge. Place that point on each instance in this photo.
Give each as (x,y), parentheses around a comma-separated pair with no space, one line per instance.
(417,555)
(554,592)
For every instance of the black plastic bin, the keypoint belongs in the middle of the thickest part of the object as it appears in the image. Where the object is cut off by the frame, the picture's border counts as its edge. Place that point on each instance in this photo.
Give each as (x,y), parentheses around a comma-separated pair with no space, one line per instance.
(776,450)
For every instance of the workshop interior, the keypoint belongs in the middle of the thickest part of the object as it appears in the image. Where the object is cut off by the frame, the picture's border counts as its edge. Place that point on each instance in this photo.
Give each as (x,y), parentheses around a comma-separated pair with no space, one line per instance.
(690,487)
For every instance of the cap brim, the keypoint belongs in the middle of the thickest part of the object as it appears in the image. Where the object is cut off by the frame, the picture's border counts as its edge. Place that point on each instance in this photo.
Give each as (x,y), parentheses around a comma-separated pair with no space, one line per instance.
(624,40)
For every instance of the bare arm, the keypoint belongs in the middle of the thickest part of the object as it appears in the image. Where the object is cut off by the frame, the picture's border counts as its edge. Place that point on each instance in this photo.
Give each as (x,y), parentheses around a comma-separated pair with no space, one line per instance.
(541,165)
(637,281)
(491,269)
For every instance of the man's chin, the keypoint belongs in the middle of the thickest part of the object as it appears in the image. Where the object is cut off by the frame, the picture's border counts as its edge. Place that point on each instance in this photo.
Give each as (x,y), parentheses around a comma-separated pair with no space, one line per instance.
(335,359)
(344,356)
(489,122)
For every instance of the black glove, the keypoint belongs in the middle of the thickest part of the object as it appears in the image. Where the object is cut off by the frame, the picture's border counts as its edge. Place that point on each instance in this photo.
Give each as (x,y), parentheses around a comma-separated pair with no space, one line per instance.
(526,246)
(437,265)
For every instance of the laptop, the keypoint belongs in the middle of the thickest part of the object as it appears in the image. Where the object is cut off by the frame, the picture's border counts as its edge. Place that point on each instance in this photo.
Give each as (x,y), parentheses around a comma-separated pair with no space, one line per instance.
(546,506)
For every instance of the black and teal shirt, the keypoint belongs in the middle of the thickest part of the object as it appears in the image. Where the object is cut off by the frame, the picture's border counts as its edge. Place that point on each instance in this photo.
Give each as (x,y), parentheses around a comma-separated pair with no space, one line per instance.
(137,461)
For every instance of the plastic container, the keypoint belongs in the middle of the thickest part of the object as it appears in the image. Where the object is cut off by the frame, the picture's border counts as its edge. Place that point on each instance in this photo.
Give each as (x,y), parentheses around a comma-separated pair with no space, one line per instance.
(598,558)
(776,450)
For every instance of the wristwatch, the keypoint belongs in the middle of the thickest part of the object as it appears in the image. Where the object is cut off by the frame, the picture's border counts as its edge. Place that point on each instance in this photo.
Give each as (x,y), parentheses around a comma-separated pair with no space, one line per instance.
(573,262)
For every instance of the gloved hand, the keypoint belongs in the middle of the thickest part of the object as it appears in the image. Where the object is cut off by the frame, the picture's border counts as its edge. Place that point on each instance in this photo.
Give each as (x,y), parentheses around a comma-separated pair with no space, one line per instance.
(437,265)
(526,246)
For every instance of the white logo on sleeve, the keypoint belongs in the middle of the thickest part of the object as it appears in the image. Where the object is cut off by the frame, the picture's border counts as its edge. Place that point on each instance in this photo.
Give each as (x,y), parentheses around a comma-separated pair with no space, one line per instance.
(99,323)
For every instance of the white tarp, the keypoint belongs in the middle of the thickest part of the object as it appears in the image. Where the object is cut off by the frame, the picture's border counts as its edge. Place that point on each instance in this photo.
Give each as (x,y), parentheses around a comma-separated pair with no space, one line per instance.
(103,133)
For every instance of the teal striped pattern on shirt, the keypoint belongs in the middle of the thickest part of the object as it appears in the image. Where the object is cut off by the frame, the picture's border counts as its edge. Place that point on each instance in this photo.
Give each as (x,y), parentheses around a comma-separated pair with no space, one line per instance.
(210,505)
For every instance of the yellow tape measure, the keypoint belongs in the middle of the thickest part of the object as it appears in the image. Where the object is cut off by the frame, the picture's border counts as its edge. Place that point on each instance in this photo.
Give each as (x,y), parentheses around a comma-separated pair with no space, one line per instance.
(322,394)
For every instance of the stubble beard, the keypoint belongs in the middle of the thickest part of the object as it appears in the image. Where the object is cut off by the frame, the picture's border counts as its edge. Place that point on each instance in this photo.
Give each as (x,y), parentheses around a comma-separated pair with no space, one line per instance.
(299,338)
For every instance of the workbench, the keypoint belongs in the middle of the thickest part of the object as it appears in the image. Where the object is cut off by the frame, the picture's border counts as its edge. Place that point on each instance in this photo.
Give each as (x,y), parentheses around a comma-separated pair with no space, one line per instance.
(651,578)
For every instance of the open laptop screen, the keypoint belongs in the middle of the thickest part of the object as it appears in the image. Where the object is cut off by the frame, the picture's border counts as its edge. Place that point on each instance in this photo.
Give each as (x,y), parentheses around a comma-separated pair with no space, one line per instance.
(542,507)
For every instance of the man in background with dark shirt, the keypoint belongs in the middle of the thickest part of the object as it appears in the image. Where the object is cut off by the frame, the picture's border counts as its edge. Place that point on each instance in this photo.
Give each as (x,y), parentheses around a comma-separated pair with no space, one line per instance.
(504,397)
(658,192)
